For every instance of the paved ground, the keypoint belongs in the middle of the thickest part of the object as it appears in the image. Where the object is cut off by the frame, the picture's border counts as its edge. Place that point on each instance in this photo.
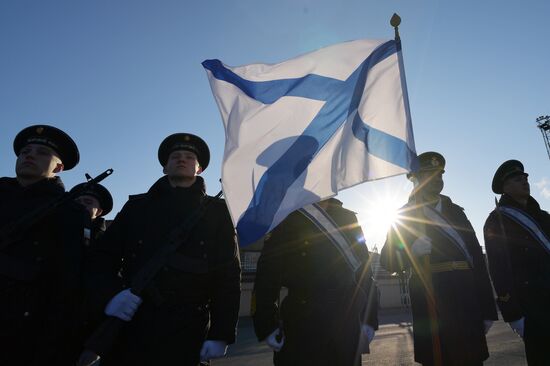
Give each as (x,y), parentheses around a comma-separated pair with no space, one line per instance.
(391,346)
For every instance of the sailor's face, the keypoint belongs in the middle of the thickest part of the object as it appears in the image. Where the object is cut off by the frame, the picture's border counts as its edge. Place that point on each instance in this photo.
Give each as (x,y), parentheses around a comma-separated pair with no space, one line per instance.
(517,186)
(91,204)
(431,181)
(37,161)
(182,164)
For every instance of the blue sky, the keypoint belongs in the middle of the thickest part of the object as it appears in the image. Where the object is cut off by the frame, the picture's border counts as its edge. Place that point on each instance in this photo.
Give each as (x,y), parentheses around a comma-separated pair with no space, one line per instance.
(119,76)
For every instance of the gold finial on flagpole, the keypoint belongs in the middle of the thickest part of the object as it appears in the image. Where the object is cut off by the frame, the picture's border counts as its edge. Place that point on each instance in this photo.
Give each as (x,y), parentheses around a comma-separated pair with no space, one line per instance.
(394,22)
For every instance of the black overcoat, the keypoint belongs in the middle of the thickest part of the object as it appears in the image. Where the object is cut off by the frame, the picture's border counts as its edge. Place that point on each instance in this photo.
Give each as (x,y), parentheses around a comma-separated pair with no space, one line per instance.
(41,277)
(326,302)
(463,298)
(91,317)
(520,269)
(196,295)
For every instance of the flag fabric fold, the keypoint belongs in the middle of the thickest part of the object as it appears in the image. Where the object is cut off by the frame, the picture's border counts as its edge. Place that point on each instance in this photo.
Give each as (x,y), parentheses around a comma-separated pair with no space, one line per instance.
(299,131)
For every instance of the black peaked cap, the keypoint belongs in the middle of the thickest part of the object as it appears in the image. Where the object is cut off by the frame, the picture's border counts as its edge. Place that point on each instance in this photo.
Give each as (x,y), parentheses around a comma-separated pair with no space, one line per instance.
(506,170)
(101,193)
(184,141)
(52,137)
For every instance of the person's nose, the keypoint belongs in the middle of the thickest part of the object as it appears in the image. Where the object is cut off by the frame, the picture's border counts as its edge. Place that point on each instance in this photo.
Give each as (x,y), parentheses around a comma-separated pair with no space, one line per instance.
(29,155)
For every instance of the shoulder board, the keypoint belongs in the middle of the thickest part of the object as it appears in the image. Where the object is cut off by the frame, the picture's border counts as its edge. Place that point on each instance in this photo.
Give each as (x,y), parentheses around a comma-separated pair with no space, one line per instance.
(215,199)
(217,202)
(348,211)
(219,199)
(7,181)
(449,200)
(493,213)
(133,197)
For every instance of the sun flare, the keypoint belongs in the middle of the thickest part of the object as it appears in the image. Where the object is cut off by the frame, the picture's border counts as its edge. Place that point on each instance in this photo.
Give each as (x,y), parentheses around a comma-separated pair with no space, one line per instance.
(386,214)
(378,209)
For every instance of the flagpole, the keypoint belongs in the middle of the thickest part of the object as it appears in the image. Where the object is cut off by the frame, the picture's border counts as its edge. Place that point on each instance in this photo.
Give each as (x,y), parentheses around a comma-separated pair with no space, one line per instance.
(425,267)
(395,21)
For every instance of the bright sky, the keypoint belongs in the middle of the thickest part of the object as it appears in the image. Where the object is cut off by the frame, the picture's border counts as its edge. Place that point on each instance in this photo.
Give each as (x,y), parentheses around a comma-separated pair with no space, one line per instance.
(119,76)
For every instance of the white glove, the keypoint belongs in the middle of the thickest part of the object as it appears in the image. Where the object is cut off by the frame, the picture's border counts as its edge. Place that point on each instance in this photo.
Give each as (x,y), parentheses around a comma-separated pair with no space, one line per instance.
(487,324)
(368,332)
(272,342)
(123,305)
(518,326)
(422,246)
(213,349)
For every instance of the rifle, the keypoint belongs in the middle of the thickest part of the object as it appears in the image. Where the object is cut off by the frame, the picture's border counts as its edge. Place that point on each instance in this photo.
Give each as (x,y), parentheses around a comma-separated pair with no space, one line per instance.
(104,338)
(10,232)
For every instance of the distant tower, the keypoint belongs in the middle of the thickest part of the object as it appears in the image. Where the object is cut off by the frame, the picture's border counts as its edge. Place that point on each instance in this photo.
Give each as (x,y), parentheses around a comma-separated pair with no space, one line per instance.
(543,123)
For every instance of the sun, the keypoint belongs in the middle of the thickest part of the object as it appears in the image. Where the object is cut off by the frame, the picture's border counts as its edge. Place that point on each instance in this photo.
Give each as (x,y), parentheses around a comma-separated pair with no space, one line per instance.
(379,213)
(385,214)
(376,218)
(377,205)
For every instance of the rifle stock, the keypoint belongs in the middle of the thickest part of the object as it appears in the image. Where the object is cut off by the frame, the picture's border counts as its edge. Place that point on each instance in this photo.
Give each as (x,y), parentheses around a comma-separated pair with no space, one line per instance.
(101,341)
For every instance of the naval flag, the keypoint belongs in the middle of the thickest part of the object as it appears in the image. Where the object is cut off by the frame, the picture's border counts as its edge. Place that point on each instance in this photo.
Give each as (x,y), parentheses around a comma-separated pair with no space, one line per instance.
(299,131)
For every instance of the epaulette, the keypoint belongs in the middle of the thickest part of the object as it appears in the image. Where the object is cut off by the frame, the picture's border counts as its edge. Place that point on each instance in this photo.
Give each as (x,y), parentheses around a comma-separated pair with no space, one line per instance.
(347,210)
(217,199)
(133,197)
(443,197)
(337,203)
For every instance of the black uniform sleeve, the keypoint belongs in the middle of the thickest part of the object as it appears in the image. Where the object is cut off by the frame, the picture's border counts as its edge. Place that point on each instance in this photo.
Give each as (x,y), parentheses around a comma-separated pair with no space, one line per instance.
(500,268)
(484,289)
(103,264)
(364,275)
(225,282)
(63,302)
(268,283)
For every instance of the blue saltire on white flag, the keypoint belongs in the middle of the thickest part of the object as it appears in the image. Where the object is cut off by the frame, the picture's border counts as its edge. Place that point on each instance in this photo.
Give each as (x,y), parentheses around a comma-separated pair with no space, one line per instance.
(301,130)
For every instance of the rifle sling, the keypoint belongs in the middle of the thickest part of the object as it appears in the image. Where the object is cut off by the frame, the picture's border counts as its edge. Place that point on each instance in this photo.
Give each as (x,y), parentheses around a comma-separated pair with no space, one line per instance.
(183,263)
(177,237)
